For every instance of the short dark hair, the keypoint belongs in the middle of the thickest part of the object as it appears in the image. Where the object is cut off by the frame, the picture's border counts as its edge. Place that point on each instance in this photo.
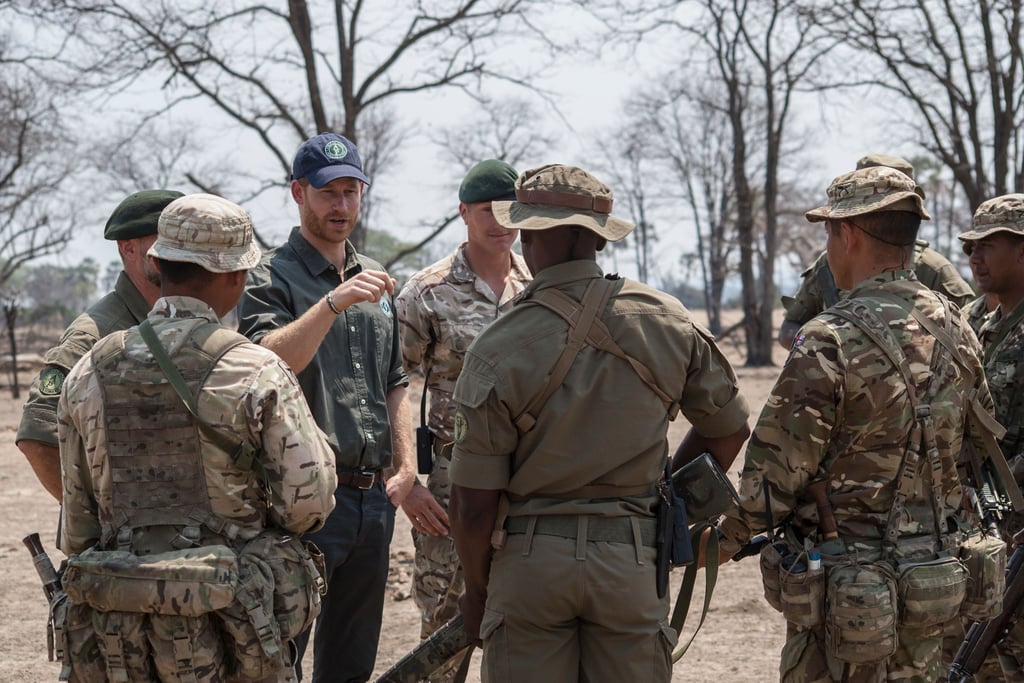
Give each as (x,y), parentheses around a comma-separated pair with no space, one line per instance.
(181,272)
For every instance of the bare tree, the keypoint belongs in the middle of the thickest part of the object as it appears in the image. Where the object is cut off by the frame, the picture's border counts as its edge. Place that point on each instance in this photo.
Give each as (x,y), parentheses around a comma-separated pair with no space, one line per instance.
(279,74)
(959,66)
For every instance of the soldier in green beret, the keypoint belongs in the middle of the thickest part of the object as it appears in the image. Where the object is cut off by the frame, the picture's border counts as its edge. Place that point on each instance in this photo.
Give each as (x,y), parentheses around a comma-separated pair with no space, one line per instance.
(441,310)
(133,226)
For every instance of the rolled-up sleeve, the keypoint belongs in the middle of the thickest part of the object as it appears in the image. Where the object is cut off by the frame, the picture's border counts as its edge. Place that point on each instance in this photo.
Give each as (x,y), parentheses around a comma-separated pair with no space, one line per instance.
(485,437)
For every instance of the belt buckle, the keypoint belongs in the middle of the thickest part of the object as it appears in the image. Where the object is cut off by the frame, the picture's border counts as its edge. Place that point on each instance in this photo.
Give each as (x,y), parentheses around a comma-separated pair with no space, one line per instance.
(364,480)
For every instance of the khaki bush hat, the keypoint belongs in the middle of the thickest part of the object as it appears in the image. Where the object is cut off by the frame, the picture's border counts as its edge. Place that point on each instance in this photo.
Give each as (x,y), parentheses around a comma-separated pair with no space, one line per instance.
(867,190)
(1000,214)
(206,230)
(555,195)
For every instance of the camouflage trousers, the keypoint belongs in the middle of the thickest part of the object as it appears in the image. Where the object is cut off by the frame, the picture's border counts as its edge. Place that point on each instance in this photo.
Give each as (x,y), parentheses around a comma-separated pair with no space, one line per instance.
(437,575)
(918,659)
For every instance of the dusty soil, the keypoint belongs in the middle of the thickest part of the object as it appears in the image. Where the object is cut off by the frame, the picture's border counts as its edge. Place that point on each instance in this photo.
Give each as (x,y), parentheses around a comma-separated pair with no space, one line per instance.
(739,642)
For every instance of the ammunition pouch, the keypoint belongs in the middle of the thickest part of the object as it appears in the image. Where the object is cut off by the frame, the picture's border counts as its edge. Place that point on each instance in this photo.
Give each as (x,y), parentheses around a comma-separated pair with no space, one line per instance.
(930,592)
(771,563)
(984,556)
(189,582)
(861,620)
(802,593)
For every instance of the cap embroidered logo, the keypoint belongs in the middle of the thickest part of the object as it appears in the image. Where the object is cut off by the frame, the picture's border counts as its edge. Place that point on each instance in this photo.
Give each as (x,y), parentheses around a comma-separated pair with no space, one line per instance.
(335,150)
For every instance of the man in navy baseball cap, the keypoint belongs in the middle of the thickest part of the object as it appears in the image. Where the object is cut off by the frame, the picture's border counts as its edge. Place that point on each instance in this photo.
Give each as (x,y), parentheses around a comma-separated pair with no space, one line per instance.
(327,157)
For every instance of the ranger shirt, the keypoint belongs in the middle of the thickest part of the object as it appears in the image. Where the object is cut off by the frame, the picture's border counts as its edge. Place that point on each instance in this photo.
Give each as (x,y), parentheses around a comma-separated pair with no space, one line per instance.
(358,362)
(118,310)
(442,309)
(840,406)
(603,426)
(250,395)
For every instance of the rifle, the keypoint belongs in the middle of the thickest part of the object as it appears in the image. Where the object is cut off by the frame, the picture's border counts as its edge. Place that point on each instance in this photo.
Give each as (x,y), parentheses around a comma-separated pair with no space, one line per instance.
(51,585)
(430,655)
(982,635)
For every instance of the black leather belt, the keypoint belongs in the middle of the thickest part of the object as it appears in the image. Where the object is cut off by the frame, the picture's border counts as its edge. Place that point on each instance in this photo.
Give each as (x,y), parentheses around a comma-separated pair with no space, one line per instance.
(364,479)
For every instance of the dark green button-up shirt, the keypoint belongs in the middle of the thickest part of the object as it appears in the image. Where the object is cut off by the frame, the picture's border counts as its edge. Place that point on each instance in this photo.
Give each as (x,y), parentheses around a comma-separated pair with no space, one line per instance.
(357,364)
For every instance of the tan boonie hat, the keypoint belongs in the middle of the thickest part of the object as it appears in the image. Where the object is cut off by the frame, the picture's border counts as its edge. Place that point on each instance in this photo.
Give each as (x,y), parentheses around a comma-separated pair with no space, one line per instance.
(867,190)
(555,195)
(206,230)
(1000,214)
(875,159)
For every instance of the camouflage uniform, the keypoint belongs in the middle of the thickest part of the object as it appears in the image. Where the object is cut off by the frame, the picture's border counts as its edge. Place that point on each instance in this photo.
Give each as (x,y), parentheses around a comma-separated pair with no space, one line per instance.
(840,407)
(977,313)
(1002,336)
(931,267)
(441,310)
(250,395)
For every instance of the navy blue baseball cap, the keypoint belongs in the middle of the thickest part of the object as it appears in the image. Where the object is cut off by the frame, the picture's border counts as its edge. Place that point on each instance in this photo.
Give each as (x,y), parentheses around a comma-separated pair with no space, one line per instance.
(327,157)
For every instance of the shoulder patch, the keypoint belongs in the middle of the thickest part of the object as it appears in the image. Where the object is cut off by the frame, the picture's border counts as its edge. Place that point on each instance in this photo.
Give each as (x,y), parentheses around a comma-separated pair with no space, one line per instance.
(460,427)
(51,380)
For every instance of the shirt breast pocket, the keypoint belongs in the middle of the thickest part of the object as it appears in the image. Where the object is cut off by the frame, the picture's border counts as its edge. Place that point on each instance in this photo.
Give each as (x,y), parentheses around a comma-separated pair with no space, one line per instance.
(458,336)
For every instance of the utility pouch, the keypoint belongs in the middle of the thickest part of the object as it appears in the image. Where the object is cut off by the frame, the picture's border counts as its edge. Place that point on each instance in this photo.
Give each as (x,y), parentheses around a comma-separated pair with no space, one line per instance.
(984,556)
(188,582)
(771,564)
(71,640)
(802,592)
(860,621)
(931,592)
(704,488)
(424,449)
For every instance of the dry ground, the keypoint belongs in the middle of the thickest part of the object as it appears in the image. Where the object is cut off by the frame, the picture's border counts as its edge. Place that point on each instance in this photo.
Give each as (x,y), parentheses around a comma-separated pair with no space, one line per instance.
(739,642)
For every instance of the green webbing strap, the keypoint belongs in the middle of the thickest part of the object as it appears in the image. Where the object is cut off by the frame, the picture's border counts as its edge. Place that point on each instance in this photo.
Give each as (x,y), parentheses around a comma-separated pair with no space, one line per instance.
(244,458)
(682,606)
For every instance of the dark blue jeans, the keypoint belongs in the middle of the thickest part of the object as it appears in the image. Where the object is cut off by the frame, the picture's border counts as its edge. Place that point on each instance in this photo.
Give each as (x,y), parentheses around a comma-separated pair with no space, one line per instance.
(355,542)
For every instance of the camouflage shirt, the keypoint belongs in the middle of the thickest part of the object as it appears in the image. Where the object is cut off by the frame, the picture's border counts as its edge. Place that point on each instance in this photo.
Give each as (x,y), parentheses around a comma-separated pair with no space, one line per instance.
(1004,369)
(441,309)
(840,407)
(250,394)
(977,313)
(931,268)
(118,310)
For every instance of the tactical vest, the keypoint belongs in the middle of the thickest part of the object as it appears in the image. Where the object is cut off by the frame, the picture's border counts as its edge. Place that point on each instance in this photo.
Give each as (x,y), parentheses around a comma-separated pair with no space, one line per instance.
(159,497)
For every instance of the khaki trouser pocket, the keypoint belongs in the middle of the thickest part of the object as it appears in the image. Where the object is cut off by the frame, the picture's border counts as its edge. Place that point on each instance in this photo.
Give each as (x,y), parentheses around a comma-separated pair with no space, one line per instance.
(495,639)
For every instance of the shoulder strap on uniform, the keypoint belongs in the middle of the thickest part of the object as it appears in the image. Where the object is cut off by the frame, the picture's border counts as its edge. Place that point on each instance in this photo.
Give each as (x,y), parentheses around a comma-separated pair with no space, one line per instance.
(594,333)
(922,435)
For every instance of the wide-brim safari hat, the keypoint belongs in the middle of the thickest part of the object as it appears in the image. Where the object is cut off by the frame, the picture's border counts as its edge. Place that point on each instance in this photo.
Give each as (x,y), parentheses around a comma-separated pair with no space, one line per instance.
(554,195)
(868,190)
(206,230)
(999,214)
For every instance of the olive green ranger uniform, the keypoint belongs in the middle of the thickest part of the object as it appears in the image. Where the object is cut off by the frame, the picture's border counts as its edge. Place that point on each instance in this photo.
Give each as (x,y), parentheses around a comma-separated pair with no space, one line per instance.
(441,309)
(118,310)
(572,593)
(840,411)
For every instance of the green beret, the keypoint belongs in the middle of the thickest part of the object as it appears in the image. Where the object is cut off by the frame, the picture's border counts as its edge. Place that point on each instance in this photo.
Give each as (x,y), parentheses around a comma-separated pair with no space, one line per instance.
(137,215)
(489,181)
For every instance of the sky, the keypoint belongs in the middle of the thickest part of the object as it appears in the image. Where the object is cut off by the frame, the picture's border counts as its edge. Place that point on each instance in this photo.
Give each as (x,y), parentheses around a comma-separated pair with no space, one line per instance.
(590,94)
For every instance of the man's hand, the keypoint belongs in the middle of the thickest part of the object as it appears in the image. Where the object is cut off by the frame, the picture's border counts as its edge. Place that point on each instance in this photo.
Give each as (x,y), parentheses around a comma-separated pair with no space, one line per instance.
(427,515)
(368,285)
(399,485)
(472,609)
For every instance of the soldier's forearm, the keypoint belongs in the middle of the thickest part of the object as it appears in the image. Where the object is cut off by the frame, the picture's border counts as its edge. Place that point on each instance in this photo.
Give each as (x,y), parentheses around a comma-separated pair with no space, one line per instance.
(45,462)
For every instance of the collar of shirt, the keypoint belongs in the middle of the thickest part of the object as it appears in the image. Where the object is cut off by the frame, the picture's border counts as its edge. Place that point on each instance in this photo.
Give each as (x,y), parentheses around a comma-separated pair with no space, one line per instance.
(177,307)
(315,262)
(131,296)
(880,281)
(563,274)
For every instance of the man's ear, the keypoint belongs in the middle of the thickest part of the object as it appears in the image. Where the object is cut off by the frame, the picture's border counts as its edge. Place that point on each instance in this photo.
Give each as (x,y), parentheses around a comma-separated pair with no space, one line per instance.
(297,193)
(600,244)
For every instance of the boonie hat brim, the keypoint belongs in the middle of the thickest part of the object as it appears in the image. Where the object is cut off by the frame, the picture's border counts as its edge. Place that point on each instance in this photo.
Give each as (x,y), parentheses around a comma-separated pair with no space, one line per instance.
(859,207)
(222,262)
(519,216)
(980,233)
